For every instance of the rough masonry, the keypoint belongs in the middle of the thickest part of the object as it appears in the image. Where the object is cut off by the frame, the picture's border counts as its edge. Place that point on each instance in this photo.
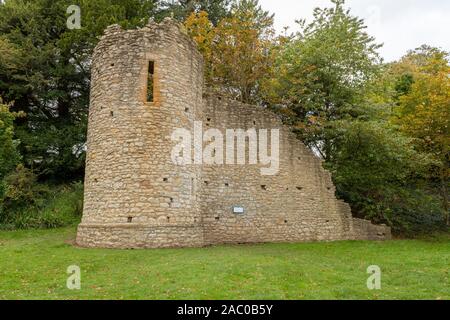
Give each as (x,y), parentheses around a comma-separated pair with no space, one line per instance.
(137,197)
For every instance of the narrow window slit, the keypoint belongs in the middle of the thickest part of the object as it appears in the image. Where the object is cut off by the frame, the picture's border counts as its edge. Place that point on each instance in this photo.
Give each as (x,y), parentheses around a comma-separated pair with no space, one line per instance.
(150,81)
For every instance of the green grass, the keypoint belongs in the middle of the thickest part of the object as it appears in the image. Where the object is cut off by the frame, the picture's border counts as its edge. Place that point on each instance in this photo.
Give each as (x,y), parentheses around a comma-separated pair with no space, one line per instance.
(33,265)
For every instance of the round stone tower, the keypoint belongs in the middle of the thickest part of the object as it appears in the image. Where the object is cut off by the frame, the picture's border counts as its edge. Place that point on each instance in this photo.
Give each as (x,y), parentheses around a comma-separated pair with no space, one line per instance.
(146,83)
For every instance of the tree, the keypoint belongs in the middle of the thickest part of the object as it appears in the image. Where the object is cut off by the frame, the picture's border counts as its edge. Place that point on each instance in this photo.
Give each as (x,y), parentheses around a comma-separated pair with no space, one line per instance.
(182,9)
(378,171)
(321,75)
(49,77)
(424,114)
(238,50)
(203,32)
(9,156)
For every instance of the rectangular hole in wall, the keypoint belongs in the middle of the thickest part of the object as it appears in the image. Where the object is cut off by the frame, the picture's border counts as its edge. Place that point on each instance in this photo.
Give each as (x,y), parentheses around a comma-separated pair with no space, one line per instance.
(150,81)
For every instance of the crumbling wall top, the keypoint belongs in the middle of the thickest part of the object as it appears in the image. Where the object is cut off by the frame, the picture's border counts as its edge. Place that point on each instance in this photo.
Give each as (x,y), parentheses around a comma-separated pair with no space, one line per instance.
(165,25)
(168,26)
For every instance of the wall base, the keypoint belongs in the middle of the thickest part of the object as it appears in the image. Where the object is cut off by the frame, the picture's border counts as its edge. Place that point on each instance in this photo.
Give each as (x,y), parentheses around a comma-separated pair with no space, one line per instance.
(135,236)
(132,236)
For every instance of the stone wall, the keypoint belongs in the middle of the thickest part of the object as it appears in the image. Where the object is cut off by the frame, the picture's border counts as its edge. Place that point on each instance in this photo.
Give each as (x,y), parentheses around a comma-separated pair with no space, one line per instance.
(297,204)
(136,197)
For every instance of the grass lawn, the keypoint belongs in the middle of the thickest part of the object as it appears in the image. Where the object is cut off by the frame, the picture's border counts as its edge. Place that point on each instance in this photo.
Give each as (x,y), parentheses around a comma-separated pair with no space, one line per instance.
(33,265)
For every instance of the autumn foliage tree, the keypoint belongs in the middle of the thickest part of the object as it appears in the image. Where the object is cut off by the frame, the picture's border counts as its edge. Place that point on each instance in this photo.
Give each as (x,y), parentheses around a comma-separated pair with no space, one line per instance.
(424,114)
(238,51)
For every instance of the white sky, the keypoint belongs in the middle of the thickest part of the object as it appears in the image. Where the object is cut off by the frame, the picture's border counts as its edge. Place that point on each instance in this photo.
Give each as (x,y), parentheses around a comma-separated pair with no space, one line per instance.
(400,25)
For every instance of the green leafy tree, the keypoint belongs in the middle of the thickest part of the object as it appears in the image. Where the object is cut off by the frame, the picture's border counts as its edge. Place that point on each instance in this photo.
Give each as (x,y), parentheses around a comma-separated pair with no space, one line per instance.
(377,169)
(321,75)
(424,114)
(182,9)
(9,156)
(47,74)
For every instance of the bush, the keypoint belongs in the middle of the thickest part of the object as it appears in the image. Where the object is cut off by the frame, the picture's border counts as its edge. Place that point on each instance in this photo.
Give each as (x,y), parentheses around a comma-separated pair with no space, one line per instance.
(9,156)
(415,212)
(64,207)
(21,191)
(377,170)
(27,204)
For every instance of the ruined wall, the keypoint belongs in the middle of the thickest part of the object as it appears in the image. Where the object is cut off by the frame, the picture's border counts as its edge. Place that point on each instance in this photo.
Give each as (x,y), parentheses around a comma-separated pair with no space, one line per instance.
(136,197)
(297,204)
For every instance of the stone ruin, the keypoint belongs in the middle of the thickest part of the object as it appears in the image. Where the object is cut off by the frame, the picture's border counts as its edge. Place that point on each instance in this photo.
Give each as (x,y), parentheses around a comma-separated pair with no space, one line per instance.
(146,83)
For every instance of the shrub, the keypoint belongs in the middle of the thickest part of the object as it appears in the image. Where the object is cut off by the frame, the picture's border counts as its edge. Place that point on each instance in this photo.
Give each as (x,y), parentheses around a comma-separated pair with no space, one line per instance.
(9,156)
(27,204)
(377,170)
(21,190)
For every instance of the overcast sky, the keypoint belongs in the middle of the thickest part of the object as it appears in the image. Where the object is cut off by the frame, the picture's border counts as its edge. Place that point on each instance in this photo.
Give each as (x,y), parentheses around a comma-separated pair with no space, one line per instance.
(400,25)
